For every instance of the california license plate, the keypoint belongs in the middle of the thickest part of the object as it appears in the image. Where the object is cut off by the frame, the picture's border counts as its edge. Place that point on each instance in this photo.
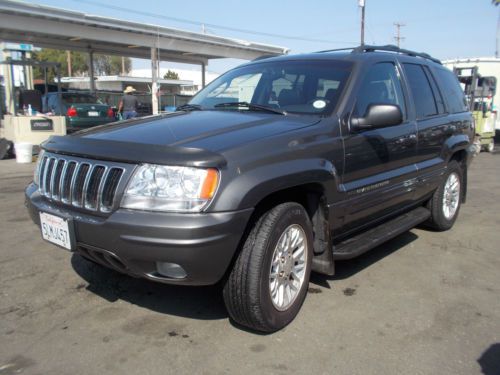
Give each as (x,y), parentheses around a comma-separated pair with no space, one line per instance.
(93,113)
(56,229)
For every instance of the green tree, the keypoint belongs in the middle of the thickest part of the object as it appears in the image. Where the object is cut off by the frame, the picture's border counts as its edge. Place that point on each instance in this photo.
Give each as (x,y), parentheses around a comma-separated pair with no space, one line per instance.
(78,63)
(110,65)
(103,64)
(171,75)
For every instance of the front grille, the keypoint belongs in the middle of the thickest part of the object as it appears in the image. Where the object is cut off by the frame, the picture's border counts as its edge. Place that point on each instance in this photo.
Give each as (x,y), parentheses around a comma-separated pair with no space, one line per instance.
(82,183)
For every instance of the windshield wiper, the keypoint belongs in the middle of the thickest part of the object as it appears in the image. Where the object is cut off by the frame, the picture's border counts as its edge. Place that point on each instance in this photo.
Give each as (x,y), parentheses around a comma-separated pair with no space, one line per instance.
(189,107)
(251,106)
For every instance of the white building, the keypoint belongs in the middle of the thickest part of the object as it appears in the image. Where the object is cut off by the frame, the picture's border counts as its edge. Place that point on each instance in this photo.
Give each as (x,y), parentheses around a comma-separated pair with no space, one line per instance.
(184,75)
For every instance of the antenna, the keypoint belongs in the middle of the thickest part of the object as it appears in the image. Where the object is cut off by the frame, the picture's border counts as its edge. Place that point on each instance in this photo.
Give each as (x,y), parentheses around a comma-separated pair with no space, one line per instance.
(398,38)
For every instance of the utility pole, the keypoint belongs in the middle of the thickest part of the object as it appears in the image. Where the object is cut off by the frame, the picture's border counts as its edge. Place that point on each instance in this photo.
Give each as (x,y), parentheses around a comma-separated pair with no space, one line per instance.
(398,36)
(496,3)
(362,5)
(123,66)
(68,61)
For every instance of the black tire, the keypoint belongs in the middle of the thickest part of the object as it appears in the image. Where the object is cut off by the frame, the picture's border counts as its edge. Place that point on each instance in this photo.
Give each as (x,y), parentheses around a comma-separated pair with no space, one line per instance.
(247,291)
(438,220)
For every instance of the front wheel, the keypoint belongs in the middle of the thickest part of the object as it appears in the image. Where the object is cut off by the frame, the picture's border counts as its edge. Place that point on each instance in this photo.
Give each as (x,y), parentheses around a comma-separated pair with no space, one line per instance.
(445,203)
(269,280)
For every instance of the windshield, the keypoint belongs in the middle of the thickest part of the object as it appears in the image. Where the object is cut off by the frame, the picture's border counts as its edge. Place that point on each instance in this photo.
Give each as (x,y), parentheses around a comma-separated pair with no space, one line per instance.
(302,87)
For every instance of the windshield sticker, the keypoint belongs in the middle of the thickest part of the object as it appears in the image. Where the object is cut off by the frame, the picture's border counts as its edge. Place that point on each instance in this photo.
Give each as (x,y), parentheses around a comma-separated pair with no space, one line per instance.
(319,104)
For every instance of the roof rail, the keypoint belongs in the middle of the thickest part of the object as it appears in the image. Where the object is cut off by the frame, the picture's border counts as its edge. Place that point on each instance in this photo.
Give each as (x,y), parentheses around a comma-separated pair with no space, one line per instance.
(263,57)
(396,49)
(337,49)
(387,48)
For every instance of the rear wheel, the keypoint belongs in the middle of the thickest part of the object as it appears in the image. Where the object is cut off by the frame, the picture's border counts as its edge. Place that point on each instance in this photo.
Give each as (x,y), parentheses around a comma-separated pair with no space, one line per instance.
(490,147)
(445,203)
(269,280)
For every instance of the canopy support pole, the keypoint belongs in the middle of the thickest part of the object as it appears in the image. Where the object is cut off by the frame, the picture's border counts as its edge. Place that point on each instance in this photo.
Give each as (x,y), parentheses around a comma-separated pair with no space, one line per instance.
(154,77)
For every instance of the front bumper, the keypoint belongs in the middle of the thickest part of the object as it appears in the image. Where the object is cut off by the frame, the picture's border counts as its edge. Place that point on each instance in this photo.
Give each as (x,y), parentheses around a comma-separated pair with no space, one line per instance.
(133,241)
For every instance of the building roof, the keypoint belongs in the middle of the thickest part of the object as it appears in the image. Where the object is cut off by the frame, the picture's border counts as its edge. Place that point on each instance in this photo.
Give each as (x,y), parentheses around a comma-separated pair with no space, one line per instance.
(127,79)
(57,28)
(472,60)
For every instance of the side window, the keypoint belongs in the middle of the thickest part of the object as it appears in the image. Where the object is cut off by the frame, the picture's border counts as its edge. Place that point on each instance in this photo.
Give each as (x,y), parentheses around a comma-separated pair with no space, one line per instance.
(451,90)
(381,85)
(425,103)
(437,92)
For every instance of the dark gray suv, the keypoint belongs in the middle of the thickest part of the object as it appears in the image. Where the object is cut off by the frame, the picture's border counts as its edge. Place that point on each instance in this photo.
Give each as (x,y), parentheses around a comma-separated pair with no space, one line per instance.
(276,169)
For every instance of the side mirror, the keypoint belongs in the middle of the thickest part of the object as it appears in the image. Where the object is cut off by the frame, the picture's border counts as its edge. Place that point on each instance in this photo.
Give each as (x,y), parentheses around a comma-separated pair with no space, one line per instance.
(378,116)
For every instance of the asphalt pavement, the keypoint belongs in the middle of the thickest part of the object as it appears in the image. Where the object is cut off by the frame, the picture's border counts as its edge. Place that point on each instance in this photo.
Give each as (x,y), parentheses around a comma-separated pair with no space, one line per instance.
(423,303)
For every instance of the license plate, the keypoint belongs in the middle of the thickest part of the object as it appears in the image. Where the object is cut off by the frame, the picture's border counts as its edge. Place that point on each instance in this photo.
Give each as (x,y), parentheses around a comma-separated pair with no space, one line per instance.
(93,113)
(55,229)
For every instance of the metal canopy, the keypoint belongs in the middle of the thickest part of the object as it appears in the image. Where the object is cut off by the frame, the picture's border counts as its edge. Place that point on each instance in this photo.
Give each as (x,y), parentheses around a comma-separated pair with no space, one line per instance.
(68,30)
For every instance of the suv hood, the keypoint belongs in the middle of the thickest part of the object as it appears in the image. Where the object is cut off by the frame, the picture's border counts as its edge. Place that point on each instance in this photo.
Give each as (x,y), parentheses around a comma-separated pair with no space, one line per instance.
(189,138)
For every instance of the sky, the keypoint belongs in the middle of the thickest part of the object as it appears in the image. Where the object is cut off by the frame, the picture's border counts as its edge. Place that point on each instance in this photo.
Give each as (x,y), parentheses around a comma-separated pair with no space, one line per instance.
(443,28)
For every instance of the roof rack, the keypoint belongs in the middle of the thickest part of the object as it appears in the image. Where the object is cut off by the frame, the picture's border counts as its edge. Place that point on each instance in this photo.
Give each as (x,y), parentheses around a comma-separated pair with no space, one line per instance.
(396,49)
(387,48)
(337,49)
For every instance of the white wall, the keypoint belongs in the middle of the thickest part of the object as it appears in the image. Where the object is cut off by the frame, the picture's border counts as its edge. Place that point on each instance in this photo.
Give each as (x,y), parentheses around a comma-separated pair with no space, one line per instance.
(184,74)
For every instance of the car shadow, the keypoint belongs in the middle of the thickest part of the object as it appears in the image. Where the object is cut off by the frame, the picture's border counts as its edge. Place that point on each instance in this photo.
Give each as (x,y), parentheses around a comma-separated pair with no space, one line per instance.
(490,360)
(347,268)
(204,303)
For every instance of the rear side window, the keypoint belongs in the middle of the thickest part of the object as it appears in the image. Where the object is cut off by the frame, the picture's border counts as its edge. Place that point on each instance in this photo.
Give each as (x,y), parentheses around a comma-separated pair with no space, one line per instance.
(451,90)
(423,97)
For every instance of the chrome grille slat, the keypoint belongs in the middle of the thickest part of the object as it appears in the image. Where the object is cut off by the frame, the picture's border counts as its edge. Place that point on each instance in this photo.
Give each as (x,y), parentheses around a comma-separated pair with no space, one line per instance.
(101,187)
(81,183)
(73,182)
(52,177)
(48,176)
(114,177)
(90,197)
(61,179)
(41,177)
(67,180)
(79,188)
(56,177)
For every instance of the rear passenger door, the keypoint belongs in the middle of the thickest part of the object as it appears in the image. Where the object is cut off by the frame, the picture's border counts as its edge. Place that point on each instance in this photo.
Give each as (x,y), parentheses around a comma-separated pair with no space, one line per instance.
(433,124)
(379,163)
(430,113)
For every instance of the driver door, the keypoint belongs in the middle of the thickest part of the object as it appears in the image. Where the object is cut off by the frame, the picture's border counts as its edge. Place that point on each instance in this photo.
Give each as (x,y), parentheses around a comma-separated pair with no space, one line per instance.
(379,162)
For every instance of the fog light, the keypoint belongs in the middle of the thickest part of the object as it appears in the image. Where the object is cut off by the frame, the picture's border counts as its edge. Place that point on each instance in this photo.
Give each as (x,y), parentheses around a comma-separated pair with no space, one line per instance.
(171,270)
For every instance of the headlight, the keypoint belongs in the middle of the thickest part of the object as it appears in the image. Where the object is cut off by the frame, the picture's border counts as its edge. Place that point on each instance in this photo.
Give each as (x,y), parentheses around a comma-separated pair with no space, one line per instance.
(39,159)
(165,188)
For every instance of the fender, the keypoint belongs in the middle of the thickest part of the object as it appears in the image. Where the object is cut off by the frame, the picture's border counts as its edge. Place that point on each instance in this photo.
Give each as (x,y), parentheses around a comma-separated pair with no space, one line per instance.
(246,190)
(455,143)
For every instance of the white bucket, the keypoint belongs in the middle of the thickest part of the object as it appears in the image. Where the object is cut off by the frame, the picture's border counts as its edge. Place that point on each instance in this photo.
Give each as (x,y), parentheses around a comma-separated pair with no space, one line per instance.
(24,152)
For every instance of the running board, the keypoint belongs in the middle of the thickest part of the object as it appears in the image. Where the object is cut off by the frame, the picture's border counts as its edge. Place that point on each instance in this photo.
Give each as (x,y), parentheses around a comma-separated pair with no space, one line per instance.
(365,241)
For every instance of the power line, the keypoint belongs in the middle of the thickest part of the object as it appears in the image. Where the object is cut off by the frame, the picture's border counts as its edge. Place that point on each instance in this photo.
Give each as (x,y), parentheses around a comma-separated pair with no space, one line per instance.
(398,38)
(205,24)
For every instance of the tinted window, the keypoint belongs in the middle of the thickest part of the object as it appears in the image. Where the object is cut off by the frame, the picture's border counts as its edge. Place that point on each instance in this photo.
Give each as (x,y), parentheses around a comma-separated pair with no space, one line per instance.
(425,104)
(312,87)
(381,85)
(451,90)
(436,91)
